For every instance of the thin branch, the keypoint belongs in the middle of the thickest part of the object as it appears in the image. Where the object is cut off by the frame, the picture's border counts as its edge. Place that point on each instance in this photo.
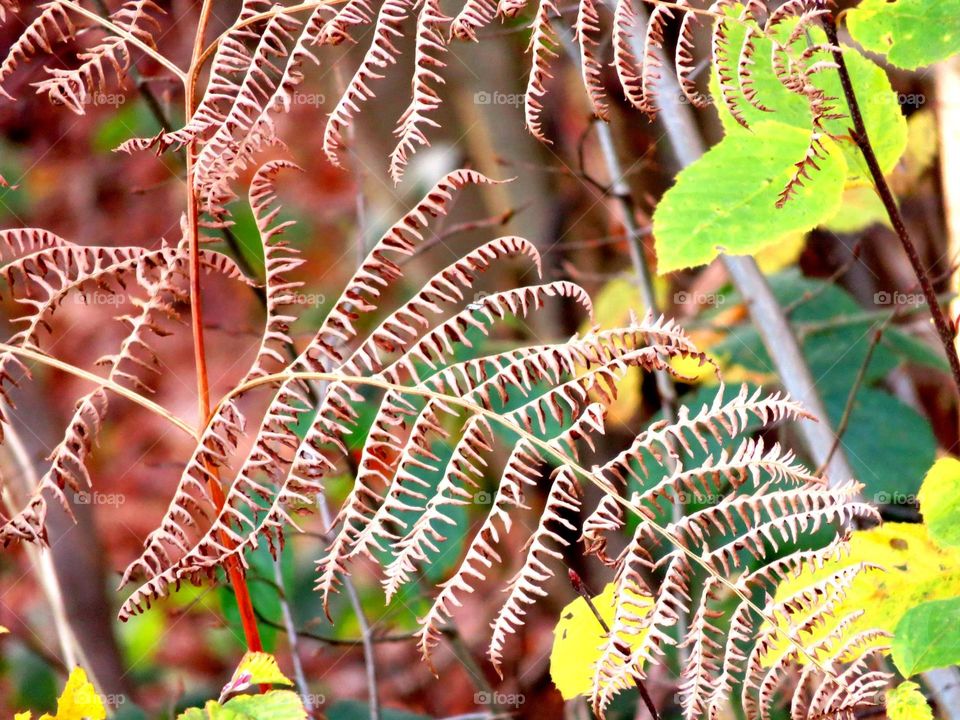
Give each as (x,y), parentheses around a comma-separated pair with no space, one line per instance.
(854,389)
(298,675)
(583,592)
(859,133)
(366,635)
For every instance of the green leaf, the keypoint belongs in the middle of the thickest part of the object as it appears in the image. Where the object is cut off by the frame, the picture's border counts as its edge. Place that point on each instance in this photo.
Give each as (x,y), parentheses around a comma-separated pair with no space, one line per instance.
(882,115)
(924,638)
(889,444)
(940,502)
(906,702)
(910,33)
(726,201)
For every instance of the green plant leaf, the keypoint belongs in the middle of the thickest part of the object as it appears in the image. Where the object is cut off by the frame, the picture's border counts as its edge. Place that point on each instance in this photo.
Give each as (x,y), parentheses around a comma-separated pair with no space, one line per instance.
(910,33)
(906,702)
(879,104)
(726,201)
(940,502)
(912,571)
(889,444)
(925,639)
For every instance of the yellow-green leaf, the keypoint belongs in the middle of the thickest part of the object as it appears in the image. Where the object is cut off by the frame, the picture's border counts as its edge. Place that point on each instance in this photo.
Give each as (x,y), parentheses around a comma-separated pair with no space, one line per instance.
(256,668)
(911,33)
(578,639)
(880,105)
(940,502)
(273,705)
(914,571)
(726,201)
(906,702)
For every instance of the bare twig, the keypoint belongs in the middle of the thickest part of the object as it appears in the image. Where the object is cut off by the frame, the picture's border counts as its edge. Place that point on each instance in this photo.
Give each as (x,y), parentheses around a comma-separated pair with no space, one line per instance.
(859,133)
(583,592)
(292,638)
(366,635)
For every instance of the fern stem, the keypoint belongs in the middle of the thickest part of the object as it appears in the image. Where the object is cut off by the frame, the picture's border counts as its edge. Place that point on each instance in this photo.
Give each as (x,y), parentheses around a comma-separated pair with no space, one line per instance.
(234,571)
(862,139)
(103,382)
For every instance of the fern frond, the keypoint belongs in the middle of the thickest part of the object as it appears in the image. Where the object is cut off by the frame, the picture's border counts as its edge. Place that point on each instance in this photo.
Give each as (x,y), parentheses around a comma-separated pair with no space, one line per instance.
(586,29)
(74,87)
(381,54)
(430,44)
(543,42)
(473,16)
(51,27)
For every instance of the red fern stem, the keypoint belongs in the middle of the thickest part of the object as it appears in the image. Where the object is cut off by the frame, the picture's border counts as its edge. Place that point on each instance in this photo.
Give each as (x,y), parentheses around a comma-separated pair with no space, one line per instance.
(235,574)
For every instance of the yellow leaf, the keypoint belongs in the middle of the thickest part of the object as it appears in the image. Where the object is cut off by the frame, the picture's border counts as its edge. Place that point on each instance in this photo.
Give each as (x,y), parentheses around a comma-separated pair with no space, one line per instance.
(255,668)
(578,640)
(914,570)
(861,208)
(786,252)
(611,309)
(612,305)
(906,702)
(78,701)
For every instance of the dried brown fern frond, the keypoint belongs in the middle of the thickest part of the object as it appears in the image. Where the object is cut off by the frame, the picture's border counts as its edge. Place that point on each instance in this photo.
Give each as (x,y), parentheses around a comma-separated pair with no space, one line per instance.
(134,22)
(257,67)
(46,270)
(444,410)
